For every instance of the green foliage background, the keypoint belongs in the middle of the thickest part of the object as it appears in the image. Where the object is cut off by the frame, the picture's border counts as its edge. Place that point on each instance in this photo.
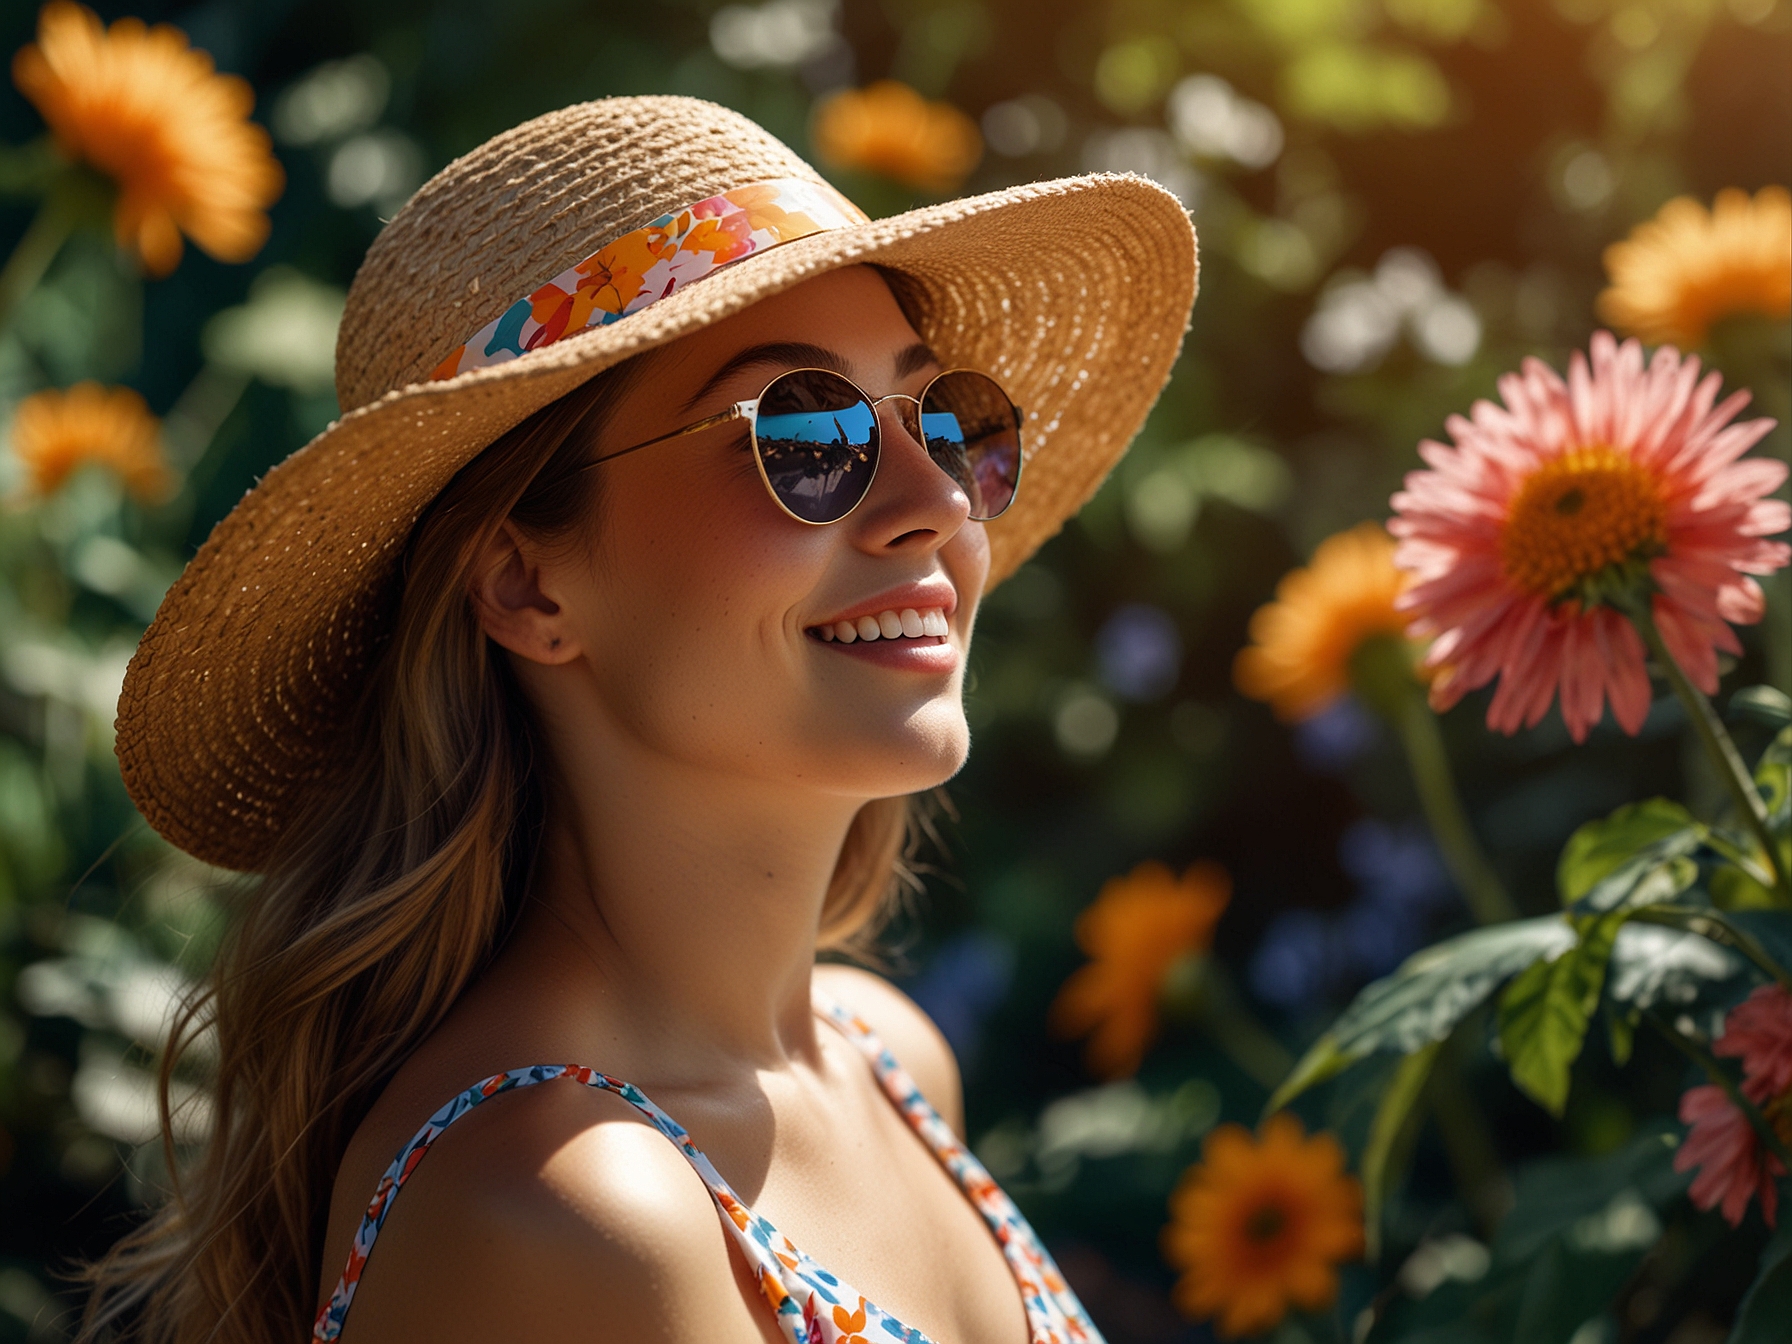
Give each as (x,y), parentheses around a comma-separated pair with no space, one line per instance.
(1508,141)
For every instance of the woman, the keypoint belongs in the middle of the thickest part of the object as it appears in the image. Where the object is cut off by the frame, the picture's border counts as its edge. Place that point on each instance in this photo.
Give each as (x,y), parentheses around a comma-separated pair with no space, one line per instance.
(566,695)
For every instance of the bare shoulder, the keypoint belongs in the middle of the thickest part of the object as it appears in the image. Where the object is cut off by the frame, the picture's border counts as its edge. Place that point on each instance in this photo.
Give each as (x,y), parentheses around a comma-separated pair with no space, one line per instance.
(554,1214)
(906,1029)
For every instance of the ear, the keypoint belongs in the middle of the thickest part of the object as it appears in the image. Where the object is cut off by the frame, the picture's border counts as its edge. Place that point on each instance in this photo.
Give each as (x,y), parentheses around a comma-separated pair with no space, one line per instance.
(514,607)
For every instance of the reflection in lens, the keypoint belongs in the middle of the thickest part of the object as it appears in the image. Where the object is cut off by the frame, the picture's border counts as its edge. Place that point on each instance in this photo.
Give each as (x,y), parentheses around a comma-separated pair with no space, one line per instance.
(973,432)
(815,434)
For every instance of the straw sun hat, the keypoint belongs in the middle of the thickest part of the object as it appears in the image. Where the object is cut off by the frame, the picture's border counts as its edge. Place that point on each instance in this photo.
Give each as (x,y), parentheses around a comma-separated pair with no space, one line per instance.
(545,256)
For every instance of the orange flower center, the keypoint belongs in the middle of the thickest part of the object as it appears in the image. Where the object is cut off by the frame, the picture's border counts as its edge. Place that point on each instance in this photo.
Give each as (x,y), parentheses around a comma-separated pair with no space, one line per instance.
(1585,512)
(1265,1223)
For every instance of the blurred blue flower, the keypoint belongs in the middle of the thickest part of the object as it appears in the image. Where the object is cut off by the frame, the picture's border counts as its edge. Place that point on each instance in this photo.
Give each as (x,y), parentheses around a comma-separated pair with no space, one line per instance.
(1139,652)
(1396,866)
(1377,937)
(1292,964)
(1335,737)
(962,984)
(1402,885)
(1307,956)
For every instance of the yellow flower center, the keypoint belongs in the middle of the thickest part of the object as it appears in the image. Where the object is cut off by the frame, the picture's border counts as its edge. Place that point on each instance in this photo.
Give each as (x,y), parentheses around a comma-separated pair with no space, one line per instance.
(1583,513)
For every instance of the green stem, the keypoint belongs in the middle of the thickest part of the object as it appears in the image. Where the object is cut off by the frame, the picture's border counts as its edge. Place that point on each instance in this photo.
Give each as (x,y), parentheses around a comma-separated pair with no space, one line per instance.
(1382,674)
(1715,1072)
(1468,1146)
(1444,813)
(1716,740)
(1197,988)
(31,257)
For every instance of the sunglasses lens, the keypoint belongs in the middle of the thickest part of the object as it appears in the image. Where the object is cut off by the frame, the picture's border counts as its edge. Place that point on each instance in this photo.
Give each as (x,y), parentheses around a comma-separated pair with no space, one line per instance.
(817,440)
(973,432)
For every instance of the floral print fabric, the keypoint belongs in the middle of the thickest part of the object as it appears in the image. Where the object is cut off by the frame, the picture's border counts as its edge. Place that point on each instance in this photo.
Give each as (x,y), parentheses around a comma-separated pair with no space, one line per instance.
(641,268)
(812,1305)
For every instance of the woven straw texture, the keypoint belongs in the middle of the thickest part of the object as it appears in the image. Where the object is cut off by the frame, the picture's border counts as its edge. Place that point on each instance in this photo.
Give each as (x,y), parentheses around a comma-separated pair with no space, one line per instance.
(1074,294)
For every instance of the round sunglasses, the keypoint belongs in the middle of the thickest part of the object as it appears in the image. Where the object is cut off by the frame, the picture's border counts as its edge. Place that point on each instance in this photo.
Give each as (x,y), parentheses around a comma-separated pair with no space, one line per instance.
(817,439)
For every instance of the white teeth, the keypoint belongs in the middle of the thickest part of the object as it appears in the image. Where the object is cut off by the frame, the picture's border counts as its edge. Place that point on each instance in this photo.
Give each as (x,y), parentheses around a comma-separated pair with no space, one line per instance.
(909,623)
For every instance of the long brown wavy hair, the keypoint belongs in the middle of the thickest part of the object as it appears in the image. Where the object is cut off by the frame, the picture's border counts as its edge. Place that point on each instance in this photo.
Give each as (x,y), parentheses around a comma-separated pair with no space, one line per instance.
(386,896)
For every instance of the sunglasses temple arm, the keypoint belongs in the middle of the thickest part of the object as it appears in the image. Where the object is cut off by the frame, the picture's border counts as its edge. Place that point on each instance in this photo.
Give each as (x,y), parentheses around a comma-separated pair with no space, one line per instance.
(734,412)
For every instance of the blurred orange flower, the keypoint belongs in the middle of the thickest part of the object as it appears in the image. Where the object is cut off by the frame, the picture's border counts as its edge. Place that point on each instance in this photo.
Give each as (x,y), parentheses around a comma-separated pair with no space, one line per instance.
(55,432)
(888,128)
(1136,928)
(151,112)
(1303,642)
(1686,268)
(1260,1225)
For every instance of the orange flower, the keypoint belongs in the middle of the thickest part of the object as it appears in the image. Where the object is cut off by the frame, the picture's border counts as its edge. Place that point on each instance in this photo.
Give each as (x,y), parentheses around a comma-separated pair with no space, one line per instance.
(1260,1224)
(1138,926)
(1299,658)
(148,110)
(55,432)
(1688,267)
(888,128)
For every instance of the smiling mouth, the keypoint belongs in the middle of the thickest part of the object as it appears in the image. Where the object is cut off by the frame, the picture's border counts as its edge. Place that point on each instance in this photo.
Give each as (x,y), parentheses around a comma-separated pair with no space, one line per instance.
(909,623)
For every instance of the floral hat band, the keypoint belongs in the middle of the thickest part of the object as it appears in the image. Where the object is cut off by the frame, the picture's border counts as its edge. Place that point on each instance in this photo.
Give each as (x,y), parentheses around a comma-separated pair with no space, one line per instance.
(638,269)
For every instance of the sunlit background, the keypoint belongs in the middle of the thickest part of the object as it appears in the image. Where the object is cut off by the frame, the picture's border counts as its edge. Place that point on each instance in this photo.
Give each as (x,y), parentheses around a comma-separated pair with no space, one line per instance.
(1397,200)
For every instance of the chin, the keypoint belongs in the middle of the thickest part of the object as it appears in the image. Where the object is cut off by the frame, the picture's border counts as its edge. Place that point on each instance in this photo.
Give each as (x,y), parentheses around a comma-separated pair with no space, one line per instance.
(918,752)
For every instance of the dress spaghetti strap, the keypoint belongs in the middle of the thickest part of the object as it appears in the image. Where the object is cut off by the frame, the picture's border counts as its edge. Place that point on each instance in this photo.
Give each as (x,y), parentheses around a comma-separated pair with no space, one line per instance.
(812,1306)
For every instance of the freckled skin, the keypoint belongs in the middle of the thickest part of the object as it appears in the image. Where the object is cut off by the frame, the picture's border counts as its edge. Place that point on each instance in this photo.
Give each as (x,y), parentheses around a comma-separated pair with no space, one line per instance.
(705,759)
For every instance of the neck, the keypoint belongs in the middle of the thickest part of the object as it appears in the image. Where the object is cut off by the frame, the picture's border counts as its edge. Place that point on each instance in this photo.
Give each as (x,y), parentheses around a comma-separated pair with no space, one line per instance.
(681,907)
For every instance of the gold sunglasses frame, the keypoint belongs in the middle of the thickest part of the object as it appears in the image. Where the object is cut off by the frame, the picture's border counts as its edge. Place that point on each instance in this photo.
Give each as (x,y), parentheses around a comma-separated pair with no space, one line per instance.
(748,410)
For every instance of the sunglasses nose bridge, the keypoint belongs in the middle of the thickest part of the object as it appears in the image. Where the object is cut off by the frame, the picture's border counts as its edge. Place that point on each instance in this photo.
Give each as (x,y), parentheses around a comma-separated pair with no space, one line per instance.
(907,410)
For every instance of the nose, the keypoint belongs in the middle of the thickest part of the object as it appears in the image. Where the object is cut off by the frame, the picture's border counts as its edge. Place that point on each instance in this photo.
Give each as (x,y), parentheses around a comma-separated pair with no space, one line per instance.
(913,503)
(907,411)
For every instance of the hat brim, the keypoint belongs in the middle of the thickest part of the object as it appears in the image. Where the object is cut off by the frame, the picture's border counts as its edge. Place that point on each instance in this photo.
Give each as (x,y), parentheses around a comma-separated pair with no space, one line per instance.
(1075,294)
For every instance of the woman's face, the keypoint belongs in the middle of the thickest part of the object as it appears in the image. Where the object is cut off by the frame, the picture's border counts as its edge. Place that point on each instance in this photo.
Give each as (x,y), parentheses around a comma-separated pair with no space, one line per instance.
(693,621)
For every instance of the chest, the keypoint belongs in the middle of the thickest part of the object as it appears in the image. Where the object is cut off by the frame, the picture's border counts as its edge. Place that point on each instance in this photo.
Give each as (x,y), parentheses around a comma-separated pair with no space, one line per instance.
(846,1179)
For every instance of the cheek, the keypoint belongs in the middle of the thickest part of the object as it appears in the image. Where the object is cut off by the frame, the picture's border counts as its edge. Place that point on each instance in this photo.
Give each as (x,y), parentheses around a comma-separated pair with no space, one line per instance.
(966,558)
(693,586)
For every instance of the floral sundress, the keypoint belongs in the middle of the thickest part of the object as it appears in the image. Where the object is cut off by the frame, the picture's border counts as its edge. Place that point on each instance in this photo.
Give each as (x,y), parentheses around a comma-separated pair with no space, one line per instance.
(812,1305)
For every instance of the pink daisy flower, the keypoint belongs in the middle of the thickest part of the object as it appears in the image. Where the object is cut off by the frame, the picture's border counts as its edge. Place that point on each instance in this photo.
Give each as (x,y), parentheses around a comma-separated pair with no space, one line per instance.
(1724,1147)
(1758,1031)
(1722,1143)
(1574,490)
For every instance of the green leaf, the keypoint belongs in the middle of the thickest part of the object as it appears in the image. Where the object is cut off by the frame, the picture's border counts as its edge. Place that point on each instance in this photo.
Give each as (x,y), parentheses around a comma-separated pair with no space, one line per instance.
(1649,879)
(1651,964)
(1762,936)
(1657,828)
(1768,706)
(1773,776)
(1426,997)
(1391,1132)
(1322,1061)
(1762,1317)
(1545,1010)
(1734,888)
